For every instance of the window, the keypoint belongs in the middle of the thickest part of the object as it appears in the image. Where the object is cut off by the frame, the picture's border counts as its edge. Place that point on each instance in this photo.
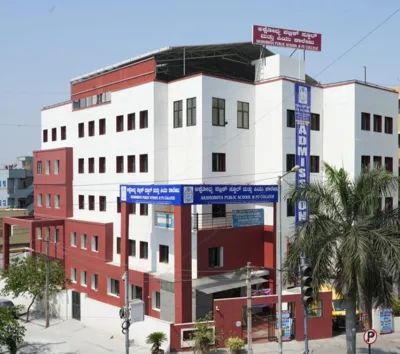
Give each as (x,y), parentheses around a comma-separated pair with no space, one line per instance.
(102,126)
(144,250)
(164,254)
(377,161)
(132,248)
(120,164)
(102,165)
(39,167)
(54,134)
(91,202)
(389,164)
(81,130)
(120,123)
(73,239)
(81,165)
(118,204)
(218,210)
(143,119)
(95,243)
(56,167)
(243,115)
(45,136)
(377,123)
(178,114)
(290,118)
(73,275)
(315,309)
(131,208)
(47,167)
(388,125)
(95,282)
(131,164)
(156,300)
(314,164)
(118,245)
(136,292)
(92,100)
(39,200)
(102,203)
(315,121)
(39,233)
(57,201)
(191,112)
(64,133)
(81,199)
(48,200)
(91,165)
(56,236)
(84,241)
(144,163)
(365,121)
(144,209)
(290,162)
(290,208)
(131,121)
(218,112)
(388,204)
(218,162)
(365,162)
(91,128)
(113,287)
(83,278)
(215,256)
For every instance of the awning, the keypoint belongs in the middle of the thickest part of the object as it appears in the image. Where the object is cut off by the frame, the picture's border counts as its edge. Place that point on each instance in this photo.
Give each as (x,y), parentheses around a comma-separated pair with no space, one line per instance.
(211,286)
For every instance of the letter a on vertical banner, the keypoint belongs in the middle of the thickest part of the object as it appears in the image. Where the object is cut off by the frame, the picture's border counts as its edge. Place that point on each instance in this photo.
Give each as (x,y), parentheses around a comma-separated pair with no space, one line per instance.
(303,120)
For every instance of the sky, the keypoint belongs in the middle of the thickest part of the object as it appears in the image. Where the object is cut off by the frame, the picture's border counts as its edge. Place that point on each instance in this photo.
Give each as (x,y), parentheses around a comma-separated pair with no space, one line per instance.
(45,43)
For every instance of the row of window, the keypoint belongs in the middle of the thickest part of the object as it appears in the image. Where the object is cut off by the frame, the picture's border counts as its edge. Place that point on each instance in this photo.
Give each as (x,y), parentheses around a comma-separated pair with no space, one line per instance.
(144,250)
(120,164)
(47,234)
(48,170)
(84,242)
(314,163)
(48,203)
(291,120)
(377,162)
(63,134)
(92,100)
(377,123)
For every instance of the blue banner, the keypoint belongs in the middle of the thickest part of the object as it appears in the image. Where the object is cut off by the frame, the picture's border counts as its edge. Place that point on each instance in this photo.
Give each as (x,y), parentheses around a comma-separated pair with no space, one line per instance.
(247,217)
(199,194)
(386,320)
(303,142)
(165,220)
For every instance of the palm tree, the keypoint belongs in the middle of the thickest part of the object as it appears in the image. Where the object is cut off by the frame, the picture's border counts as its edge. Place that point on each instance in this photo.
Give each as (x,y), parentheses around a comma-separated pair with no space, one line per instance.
(350,242)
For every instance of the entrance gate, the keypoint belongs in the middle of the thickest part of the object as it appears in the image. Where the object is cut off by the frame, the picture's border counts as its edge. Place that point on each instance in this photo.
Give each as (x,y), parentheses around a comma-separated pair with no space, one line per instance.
(76,305)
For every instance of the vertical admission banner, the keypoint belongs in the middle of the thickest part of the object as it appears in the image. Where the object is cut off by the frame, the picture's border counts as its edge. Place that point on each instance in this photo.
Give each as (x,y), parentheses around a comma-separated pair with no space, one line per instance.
(303,120)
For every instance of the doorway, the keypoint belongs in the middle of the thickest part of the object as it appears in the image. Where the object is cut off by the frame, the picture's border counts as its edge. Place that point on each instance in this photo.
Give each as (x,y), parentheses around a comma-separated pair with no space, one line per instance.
(76,305)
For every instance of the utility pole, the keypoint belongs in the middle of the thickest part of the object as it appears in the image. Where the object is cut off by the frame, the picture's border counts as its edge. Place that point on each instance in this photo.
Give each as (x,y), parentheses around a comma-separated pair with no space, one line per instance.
(307,298)
(46,293)
(126,312)
(249,312)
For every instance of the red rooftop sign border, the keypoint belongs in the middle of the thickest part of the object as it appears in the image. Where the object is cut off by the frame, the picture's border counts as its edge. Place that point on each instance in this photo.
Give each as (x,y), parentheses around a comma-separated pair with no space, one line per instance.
(280,37)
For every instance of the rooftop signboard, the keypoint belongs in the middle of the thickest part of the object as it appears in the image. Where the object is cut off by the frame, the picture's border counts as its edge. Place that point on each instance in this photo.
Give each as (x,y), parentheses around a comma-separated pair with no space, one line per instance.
(177,194)
(280,37)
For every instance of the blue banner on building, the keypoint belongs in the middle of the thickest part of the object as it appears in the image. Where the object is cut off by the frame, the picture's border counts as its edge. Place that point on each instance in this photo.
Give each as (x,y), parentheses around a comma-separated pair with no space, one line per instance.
(386,320)
(303,142)
(199,194)
(247,217)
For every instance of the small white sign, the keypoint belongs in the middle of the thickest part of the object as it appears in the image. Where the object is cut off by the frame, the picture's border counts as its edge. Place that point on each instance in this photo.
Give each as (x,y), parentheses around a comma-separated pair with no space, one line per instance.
(370,336)
(238,324)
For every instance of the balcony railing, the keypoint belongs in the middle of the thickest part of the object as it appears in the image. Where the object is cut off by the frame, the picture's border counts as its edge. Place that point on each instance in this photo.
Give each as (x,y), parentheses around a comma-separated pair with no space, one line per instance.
(211,221)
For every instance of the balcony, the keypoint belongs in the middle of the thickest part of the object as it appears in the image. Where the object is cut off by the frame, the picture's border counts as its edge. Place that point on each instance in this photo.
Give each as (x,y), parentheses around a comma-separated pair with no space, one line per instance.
(210,221)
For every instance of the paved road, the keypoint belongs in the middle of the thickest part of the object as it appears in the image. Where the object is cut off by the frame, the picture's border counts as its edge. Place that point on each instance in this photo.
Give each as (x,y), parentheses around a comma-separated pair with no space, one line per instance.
(72,337)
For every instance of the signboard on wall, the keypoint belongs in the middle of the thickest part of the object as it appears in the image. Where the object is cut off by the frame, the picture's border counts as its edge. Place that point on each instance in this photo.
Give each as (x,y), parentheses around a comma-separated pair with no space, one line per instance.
(386,320)
(247,217)
(199,194)
(280,37)
(303,142)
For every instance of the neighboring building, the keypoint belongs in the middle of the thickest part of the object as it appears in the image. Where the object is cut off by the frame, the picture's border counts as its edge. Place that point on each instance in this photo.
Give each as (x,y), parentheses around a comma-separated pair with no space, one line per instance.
(16,184)
(19,235)
(190,115)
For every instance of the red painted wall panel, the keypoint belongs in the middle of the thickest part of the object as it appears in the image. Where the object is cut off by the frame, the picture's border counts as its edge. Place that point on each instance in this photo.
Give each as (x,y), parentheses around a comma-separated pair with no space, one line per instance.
(118,79)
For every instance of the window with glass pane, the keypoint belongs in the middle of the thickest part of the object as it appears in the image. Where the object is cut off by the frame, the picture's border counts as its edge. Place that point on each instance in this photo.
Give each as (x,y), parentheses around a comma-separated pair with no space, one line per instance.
(218,112)
(178,114)
(243,115)
(191,112)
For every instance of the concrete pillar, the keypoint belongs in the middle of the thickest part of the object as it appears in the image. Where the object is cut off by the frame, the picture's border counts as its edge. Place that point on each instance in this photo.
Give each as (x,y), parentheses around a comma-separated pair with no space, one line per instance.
(6,244)
(124,246)
(183,264)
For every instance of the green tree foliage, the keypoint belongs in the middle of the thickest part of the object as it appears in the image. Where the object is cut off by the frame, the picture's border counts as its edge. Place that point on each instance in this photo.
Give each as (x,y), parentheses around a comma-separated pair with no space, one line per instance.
(11,331)
(349,240)
(27,277)
(204,336)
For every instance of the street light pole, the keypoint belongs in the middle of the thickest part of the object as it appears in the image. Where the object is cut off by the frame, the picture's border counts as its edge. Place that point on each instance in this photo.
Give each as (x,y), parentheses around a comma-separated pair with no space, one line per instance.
(46,293)
(279,242)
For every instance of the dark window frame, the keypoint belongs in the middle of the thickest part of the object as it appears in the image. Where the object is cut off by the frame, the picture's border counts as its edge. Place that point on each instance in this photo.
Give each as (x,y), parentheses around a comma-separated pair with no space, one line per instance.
(191,111)
(218,163)
(218,116)
(243,115)
(178,114)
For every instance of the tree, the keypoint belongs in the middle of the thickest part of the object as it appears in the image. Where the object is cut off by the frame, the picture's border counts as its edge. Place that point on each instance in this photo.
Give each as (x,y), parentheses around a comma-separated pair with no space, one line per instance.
(11,331)
(350,242)
(27,277)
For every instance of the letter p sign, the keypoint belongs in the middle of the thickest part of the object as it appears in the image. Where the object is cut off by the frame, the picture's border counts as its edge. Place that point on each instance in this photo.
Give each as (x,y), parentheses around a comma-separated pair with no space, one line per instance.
(370,336)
